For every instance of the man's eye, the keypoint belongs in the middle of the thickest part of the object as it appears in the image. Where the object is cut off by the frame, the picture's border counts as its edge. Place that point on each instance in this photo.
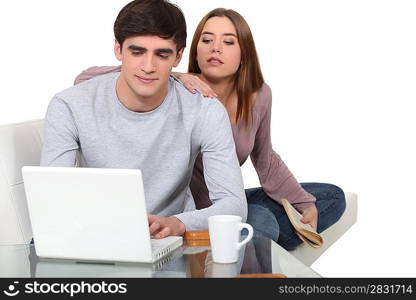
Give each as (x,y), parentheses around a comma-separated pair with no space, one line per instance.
(164,56)
(136,53)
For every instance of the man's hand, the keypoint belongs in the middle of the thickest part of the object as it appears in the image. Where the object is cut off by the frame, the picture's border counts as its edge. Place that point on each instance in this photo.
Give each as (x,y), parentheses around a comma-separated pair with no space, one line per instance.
(161,227)
(310,216)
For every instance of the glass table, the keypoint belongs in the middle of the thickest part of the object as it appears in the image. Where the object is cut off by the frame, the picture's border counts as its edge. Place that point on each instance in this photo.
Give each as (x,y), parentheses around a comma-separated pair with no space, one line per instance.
(260,256)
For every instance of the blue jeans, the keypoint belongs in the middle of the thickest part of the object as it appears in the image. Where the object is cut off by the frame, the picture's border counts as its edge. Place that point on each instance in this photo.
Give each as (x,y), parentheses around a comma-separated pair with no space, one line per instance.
(269,218)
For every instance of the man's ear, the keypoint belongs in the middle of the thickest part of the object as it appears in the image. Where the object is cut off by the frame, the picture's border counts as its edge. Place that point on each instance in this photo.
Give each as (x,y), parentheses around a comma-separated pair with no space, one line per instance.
(178,57)
(117,50)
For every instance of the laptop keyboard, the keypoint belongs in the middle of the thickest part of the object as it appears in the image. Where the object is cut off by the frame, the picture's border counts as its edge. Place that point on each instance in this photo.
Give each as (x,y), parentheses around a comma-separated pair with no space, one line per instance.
(157,244)
(164,246)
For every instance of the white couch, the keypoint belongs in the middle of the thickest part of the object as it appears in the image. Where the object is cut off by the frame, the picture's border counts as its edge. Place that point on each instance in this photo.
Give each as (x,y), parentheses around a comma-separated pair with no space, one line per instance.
(20,145)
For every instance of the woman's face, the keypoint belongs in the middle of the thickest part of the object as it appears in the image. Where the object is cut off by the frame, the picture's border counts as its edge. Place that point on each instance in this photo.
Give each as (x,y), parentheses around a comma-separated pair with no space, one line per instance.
(218,51)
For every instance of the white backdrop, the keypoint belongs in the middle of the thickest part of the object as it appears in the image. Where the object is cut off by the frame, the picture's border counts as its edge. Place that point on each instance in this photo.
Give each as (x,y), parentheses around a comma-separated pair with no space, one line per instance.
(343,75)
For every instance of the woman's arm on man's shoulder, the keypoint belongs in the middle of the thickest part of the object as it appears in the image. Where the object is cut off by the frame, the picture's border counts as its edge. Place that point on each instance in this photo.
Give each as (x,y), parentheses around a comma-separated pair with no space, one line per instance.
(190,81)
(94,72)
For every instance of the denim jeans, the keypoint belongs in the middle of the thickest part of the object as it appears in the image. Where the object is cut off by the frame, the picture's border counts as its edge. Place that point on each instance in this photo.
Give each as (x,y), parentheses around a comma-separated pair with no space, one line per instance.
(269,218)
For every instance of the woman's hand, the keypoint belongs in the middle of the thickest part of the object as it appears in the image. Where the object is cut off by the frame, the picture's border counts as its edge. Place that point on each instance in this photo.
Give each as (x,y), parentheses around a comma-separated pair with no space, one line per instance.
(194,84)
(310,216)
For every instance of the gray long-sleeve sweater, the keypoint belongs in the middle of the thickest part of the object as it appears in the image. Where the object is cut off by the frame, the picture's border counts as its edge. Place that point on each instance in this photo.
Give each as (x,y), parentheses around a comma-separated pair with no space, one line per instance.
(89,119)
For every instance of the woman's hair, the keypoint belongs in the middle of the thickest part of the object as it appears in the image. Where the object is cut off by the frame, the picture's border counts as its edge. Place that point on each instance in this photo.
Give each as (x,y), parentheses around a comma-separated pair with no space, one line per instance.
(248,78)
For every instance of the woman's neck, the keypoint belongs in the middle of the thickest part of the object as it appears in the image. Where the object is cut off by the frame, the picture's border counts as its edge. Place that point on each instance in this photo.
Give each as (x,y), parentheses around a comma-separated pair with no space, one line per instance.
(227,94)
(224,87)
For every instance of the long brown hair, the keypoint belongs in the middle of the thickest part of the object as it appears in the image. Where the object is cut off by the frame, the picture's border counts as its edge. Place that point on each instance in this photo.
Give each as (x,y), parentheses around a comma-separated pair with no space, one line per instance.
(249,78)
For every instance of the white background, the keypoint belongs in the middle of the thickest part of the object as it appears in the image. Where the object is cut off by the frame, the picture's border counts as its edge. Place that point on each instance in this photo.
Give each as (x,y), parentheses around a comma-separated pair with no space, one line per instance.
(343,75)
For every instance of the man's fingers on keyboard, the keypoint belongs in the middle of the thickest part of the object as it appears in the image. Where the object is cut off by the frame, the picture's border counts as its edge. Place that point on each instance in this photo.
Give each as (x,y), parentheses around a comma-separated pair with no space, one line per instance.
(165,232)
(154,227)
(151,219)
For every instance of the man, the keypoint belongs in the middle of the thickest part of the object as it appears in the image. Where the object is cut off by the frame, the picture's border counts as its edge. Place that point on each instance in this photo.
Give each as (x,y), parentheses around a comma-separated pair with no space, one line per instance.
(144,119)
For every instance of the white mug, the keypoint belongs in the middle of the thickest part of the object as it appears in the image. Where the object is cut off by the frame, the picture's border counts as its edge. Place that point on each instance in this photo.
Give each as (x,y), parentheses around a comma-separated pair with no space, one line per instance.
(224,235)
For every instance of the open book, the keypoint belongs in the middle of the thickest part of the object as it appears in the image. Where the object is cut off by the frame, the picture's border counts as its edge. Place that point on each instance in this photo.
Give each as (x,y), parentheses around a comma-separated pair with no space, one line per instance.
(305,231)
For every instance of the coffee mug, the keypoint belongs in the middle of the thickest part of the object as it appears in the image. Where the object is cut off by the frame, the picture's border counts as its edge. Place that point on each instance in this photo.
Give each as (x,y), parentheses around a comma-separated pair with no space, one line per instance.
(224,235)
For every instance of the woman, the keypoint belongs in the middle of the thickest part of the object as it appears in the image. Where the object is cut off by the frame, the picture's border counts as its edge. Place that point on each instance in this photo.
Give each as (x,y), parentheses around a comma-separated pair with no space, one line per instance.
(224,63)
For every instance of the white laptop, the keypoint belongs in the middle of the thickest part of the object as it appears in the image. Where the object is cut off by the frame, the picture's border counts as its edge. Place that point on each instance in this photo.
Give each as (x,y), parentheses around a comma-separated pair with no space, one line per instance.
(91,215)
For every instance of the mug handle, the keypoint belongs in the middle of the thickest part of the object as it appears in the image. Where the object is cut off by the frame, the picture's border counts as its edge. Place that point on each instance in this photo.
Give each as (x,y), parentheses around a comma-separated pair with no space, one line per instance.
(248,238)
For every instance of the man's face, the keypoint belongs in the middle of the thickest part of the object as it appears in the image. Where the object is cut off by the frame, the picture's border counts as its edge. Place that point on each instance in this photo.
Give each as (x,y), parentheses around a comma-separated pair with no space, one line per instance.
(147,62)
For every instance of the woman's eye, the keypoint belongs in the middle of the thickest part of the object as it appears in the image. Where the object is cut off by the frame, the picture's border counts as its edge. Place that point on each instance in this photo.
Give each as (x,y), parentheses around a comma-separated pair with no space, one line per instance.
(206,41)
(229,42)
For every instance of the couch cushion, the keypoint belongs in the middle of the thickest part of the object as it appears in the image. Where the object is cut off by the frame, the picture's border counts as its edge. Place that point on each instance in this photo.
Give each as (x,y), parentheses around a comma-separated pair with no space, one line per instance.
(19,146)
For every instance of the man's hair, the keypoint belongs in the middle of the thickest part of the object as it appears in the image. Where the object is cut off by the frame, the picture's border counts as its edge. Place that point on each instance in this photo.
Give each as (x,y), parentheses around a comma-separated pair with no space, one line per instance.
(151,17)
